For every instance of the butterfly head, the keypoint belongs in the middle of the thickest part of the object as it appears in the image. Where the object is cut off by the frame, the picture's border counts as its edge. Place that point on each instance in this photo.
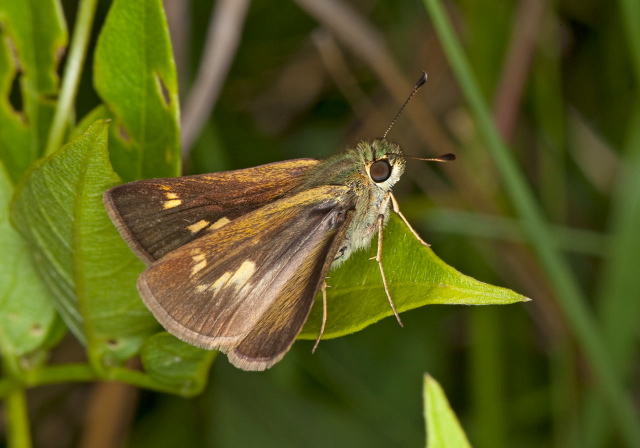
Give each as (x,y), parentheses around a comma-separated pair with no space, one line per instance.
(383,162)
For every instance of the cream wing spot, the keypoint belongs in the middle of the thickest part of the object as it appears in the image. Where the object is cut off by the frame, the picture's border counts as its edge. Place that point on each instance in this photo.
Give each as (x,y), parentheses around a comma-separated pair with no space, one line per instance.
(216,286)
(234,280)
(171,196)
(243,274)
(172,203)
(200,263)
(219,223)
(198,226)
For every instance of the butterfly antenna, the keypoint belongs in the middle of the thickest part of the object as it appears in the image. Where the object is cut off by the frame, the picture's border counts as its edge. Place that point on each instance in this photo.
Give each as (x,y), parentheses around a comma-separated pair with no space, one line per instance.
(443,158)
(419,84)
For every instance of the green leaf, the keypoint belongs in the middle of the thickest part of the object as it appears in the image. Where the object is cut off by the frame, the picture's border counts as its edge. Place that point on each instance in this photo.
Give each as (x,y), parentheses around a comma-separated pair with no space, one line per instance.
(28,320)
(177,364)
(85,263)
(99,112)
(33,36)
(443,428)
(135,76)
(14,132)
(416,277)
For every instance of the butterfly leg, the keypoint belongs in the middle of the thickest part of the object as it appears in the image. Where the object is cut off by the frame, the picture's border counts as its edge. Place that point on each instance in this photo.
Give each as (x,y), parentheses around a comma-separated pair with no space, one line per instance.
(379,260)
(396,208)
(324,315)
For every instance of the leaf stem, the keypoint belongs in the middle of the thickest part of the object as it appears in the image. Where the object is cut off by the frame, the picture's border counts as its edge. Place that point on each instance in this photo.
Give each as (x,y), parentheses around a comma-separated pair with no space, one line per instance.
(62,373)
(65,373)
(18,434)
(144,381)
(542,239)
(72,73)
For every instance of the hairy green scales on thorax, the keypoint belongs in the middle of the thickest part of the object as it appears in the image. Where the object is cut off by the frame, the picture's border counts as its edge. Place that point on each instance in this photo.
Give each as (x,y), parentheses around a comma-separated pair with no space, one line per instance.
(352,169)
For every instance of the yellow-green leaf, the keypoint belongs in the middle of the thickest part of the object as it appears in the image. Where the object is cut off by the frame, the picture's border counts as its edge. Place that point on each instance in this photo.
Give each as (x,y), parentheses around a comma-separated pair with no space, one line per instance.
(443,428)
(416,277)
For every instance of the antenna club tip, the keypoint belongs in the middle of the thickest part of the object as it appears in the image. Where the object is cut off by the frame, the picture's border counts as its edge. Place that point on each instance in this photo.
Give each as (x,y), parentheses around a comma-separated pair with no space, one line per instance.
(422,80)
(449,157)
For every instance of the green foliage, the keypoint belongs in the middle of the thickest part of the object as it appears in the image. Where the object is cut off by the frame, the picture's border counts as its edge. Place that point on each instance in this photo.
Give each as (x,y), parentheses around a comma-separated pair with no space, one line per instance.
(33,36)
(134,74)
(84,263)
(86,271)
(180,366)
(26,326)
(357,298)
(87,267)
(538,231)
(553,215)
(443,428)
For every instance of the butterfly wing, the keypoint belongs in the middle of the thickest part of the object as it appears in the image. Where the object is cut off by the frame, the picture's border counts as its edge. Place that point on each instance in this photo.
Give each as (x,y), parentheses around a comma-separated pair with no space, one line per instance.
(156,216)
(247,288)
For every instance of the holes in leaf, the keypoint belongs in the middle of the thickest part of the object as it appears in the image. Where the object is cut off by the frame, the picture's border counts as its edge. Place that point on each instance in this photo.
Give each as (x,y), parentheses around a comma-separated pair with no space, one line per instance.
(15,94)
(124,135)
(53,99)
(60,52)
(163,90)
(36,330)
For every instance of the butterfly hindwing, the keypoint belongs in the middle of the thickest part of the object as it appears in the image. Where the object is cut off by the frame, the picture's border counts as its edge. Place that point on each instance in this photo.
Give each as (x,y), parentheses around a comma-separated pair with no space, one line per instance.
(247,287)
(272,336)
(156,216)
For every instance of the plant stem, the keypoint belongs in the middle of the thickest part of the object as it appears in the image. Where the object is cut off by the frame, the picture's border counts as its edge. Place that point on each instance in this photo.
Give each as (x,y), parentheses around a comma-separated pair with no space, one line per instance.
(63,373)
(6,387)
(66,373)
(542,240)
(72,73)
(18,434)
(142,380)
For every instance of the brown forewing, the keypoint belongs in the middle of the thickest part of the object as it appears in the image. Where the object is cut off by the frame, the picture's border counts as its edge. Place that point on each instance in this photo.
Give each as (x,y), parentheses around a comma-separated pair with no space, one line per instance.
(247,288)
(156,216)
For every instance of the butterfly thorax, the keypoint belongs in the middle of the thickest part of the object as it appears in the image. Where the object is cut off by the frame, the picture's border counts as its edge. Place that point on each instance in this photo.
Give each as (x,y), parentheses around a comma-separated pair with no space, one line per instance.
(370,170)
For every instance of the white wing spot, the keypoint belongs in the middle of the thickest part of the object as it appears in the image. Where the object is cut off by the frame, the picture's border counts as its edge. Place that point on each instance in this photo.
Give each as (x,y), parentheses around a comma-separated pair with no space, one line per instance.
(170,204)
(171,196)
(219,223)
(195,228)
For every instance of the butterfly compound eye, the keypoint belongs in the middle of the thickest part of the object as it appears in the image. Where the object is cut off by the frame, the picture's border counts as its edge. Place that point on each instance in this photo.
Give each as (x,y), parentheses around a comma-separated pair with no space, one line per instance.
(380,170)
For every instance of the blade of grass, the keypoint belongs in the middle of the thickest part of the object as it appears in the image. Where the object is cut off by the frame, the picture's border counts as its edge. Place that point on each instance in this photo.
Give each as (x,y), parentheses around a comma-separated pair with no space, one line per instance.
(487,373)
(618,294)
(504,228)
(550,115)
(630,9)
(542,240)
